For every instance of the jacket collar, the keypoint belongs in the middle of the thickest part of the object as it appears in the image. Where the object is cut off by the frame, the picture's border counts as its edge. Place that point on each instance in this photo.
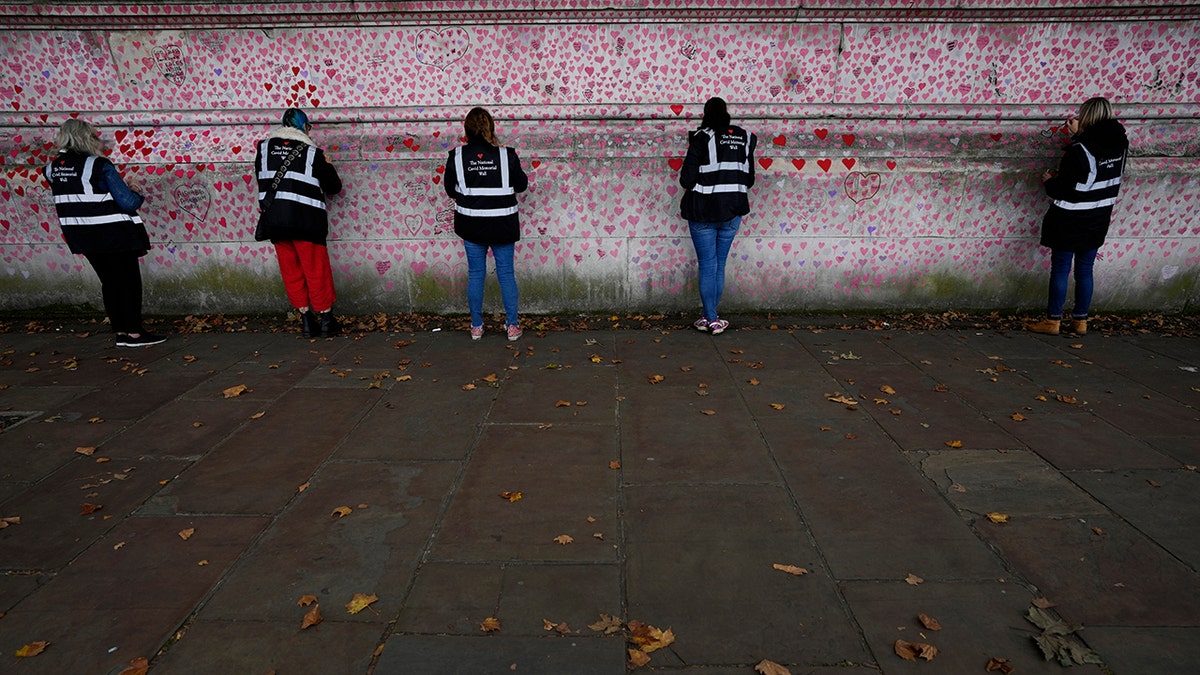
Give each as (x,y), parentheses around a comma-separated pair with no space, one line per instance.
(292,134)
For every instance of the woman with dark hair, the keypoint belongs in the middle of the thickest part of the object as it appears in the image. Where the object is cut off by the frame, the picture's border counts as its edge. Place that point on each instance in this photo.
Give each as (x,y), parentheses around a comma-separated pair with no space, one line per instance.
(484,177)
(1083,191)
(98,214)
(717,172)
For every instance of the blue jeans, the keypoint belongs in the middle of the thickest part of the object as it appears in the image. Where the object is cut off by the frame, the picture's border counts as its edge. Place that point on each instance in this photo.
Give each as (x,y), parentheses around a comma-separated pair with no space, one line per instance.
(477,270)
(1060,270)
(712,242)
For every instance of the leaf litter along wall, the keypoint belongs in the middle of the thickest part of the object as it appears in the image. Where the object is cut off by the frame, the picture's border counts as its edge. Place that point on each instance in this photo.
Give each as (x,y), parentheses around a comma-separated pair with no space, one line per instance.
(899,152)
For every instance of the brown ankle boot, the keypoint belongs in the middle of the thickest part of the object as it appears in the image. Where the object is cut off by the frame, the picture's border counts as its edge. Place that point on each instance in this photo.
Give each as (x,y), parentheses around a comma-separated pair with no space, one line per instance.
(1079,326)
(1045,326)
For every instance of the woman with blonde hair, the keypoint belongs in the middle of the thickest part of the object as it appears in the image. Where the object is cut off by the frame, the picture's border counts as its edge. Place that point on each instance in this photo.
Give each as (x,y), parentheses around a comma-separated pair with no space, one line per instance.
(484,177)
(98,215)
(1083,192)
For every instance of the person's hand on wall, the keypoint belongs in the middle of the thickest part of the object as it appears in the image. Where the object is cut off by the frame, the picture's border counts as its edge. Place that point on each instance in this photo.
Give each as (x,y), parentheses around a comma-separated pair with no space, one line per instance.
(1047,175)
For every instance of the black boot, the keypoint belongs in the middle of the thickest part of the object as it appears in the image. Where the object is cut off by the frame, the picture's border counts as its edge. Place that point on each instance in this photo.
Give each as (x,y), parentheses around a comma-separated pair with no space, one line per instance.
(310,324)
(329,326)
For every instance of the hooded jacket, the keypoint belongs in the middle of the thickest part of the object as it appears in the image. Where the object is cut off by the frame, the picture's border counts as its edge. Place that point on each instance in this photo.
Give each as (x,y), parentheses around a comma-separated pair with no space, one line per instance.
(1085,188)
(484,181)
(298,209)
(717,172)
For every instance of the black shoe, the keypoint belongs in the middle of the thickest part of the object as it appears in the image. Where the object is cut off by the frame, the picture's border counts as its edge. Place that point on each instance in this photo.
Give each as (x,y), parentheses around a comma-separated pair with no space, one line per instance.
(142,340)
(329,326)
(310,324)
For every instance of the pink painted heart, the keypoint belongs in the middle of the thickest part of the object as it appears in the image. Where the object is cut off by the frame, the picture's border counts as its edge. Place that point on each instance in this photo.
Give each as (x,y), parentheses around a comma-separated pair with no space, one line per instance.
(862,186)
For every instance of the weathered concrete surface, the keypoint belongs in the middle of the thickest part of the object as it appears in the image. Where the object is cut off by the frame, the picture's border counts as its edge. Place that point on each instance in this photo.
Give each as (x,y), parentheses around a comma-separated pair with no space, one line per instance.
(679,495)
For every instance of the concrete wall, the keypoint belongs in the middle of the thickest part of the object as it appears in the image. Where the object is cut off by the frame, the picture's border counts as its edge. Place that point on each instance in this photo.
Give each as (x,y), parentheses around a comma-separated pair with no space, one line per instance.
(900,144)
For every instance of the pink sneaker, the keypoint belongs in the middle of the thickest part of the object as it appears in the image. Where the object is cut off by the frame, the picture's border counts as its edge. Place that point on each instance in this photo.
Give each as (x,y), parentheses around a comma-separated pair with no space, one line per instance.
(514,332)
(476,332)
(701,325)
(717,327)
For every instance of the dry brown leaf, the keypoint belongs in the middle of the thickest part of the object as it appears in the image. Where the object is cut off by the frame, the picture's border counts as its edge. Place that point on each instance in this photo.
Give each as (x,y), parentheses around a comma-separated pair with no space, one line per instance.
(998,518)
(468,387)
(771,668)
(887,390)
(607,623)
(598,535)
(655,379)
(778,406)
(929,622)
(562,404)
(790,569)
(838,397)
(9,520)
(754,382)
(197,425)
(512,496)
(913,579)
(940,388)
(647,637)
(999,664)
(138,666)
(87,508)
(1066,399)
(638,658)
(954,444)
(561,628)
(187,534)
(312,617)
(490,625)
(1153,483)
(614,465)
(85,450)
(359,602)
(595,358)
(32,649)
(236,390)
(1099,532)
(958,488)
(708,412)
(491,377)
(1019,417)
(306,600)
(911,651)
(341,512)
(95,420)
(258,415)
(202,563)
(303,487)
(564,539)
(1042,603)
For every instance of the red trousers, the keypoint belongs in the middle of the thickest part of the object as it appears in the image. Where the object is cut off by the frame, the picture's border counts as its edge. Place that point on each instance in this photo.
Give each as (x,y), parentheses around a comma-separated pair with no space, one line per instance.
(307,276)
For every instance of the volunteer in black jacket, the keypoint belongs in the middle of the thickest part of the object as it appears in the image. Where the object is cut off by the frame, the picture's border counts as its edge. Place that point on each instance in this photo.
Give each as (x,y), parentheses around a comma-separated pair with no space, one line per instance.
(484,178)
(717,172)
(1083,192)
(296,220)
(98,214)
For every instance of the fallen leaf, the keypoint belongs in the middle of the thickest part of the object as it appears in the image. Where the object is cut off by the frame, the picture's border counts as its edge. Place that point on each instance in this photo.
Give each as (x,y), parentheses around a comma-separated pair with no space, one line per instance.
(258,415)
(778,406)
(1043,603)
(562,404)
(954,444)
(999,664)
(303,487)
(598,535)
(607,623)
(595,358)
(85,450)
(87,508)
(490,625)
(564,539)
(1057,639)
(771,668)
(655,379)
(95,420)
(138,666)
(33,648)
(940,388)
(1099,532)
(850,437)
(186,534)
(929,622)
(998,518)
(647,637)
(838,397)
(545,426)
(850,356)
(1066,399)
(614,465)
(957,488)
(1019,417)
(306,600)
(887,390)
(197,425)
(468,387)
(913,579)
(236,390)
(708,412)
(202,563)
(512,496)
(312,618)
(790,569)
(580,404)
(491,377)
(911,651)
(638,658)
(753,382)
(341,512)
(1153,483)
(359,602)
(557,627)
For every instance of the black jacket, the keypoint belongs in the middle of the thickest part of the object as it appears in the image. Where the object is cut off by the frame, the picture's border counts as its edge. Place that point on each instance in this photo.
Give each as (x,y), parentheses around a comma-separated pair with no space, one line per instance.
(484,181)
(92,220)
(717,172)
(298,210)
(1085,188)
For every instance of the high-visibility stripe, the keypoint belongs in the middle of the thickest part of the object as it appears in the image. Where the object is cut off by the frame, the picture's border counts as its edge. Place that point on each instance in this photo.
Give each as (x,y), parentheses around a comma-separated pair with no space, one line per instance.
(1098,185)
(725,187)
(1084,206)
(713,165)
(293,197)
(96,220)
(504,190)
(486,213)
(83,199)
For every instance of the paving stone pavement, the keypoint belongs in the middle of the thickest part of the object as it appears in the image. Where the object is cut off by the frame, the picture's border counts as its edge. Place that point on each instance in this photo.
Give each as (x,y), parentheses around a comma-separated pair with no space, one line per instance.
(682,466)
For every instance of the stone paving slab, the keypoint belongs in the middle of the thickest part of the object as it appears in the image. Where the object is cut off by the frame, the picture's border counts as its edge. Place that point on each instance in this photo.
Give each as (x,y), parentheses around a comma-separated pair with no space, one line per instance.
(692,509)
